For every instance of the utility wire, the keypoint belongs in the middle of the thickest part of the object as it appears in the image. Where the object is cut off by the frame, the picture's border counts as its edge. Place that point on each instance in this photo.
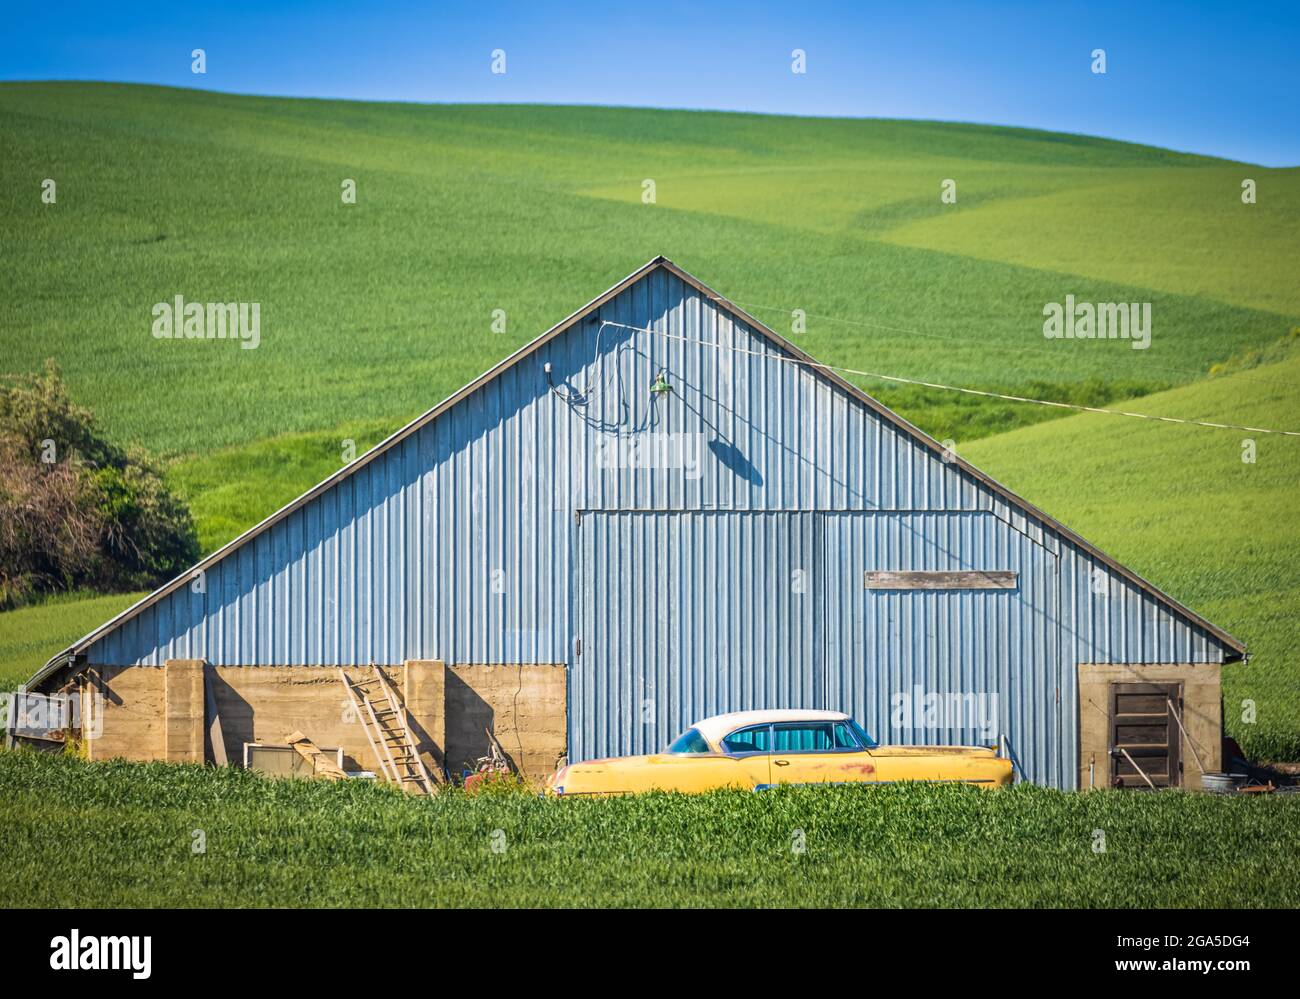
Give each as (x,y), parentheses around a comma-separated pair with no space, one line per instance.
(958,388)
(1023,348)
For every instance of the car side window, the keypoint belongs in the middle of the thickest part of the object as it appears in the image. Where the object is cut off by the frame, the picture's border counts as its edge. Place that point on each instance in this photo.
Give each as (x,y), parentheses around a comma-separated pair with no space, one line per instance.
(690,741)
(756,739)
(844,737)
(803,737)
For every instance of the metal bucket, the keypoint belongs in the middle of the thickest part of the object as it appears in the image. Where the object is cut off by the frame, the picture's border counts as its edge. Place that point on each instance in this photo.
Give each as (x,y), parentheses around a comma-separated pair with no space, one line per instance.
(1222,783)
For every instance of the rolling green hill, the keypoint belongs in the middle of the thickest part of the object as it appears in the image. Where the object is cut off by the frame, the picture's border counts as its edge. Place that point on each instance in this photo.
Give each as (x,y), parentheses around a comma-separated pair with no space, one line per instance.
(372,312)
(375,310)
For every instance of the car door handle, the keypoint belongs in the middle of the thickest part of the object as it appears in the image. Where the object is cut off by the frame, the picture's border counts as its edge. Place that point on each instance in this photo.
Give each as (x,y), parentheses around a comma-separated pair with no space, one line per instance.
(782,763)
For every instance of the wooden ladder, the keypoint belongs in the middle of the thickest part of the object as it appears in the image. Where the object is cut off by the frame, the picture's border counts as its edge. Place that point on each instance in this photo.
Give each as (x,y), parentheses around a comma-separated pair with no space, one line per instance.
(383,719)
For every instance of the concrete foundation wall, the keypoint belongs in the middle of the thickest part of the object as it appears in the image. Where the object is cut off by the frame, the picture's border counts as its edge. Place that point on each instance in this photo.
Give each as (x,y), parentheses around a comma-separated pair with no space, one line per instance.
(131,702)
(1202,716)
(264,704)
(184,723)
(164,713)
(523,706)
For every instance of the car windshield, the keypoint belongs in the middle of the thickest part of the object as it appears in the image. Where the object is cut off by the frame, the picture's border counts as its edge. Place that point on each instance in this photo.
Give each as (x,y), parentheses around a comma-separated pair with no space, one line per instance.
(690,741)
(863,738)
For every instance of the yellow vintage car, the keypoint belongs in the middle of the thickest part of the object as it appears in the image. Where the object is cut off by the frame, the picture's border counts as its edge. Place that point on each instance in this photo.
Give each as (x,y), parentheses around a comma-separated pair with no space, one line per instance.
(757,750)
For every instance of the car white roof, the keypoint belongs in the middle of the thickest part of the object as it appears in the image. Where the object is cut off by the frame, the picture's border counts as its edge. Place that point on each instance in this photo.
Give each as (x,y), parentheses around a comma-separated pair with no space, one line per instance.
(715,728)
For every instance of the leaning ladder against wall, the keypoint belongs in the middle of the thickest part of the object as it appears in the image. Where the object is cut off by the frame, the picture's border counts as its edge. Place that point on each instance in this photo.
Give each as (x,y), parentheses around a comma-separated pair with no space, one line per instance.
(383,718)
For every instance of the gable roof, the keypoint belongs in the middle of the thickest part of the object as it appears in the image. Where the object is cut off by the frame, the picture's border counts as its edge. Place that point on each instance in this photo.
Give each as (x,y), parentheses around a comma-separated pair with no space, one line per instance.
(658,263)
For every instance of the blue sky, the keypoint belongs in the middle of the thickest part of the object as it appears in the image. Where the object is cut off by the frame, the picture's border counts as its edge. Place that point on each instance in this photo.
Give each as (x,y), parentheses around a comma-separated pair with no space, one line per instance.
(1202,77)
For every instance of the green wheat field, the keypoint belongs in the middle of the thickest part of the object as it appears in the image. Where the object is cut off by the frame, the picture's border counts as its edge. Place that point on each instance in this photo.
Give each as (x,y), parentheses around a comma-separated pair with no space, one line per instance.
(188,836)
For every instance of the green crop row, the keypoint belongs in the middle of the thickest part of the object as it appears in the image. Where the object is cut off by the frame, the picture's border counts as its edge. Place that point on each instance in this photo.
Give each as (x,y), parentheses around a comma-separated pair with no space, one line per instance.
(118,834)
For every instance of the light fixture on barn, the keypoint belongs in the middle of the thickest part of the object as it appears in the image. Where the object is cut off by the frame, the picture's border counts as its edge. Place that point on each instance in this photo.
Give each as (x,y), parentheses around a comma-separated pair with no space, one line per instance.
(660,386)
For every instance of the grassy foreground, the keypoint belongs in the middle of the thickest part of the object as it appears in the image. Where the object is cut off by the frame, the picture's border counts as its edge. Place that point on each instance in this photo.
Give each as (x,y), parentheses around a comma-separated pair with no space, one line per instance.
(309,843)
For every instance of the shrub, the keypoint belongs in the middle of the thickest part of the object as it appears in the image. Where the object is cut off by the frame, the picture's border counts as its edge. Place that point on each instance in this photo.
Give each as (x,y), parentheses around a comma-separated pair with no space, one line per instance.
(75,509)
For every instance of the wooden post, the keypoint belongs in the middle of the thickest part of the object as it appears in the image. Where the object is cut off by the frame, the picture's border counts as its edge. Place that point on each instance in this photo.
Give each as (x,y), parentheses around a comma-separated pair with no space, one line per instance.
(215,734)
(1137,768)
(1195,755)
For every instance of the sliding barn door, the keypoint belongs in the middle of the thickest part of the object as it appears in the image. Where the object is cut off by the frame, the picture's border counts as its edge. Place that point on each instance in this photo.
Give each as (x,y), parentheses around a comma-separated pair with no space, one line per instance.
(678,616)
(944,628)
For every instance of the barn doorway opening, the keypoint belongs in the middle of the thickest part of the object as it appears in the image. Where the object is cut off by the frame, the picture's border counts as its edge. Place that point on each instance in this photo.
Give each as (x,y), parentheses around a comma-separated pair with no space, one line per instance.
(1144,735)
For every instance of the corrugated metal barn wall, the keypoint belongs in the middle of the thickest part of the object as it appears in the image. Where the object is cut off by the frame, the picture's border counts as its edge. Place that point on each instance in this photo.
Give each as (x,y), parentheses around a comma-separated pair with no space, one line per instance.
(474,539)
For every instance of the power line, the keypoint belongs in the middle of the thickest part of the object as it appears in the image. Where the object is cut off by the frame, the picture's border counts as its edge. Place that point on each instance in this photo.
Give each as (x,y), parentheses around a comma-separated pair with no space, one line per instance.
(1023,348)
(957,388)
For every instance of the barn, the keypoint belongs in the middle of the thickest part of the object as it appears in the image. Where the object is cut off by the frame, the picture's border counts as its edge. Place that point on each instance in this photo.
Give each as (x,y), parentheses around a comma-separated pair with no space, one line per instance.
(658,510)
